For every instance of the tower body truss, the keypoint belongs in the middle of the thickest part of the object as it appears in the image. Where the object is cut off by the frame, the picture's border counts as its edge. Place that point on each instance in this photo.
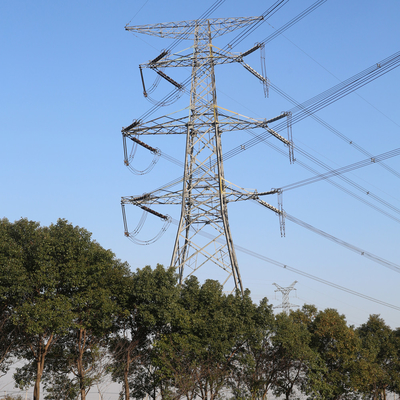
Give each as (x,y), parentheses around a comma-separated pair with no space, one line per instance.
(204,204)
(203,235)
(286,305)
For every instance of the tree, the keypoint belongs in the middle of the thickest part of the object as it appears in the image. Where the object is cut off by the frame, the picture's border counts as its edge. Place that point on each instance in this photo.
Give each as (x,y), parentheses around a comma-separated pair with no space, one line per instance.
(291,343)
(149,303)
(338,347)
(395,386)
(60,386)
(39,308)
(256,368)
(54,272)
(9,292)
(97,282)
(199,355)
(12,397)
(380,358)
(7,339)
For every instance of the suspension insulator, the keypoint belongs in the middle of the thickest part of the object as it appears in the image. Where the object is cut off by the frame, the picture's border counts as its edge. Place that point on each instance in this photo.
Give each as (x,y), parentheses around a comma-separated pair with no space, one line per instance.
(256,47)
(167,78)
(290,137)
(283,115)
(157,214)
(144,87)
(146,146)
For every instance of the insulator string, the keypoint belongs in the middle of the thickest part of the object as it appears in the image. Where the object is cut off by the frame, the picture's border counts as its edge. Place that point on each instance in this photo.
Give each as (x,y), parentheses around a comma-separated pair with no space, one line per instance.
(132,235)
(130,158)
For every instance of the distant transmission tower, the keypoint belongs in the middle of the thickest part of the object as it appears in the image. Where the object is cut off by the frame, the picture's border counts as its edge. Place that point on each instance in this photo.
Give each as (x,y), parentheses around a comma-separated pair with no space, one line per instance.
(285,297)
(203,234)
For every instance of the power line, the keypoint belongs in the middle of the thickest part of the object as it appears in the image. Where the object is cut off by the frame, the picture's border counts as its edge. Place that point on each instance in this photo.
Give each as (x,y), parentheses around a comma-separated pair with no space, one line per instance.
(305,274)
(293,21)
(265,15)
(319,176)
(204,196)
(309,107)
(358,250)
(337,185)
(173,94)
(342,170)
(315,278)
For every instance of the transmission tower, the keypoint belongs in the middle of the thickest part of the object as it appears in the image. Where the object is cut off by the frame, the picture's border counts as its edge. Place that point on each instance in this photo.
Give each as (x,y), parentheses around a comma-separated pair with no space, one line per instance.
(285,297)
(203,234)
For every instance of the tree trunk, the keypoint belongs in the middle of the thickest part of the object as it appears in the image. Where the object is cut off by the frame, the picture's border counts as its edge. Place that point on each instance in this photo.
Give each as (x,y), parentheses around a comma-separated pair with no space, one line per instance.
(264,395)
(126,372)
(36,390)
(40,357)
(39,373)
(83,392)
(81,336)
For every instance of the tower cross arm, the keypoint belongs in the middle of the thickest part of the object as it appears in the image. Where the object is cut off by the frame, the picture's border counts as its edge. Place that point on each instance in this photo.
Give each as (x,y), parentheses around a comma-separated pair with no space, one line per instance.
(167,125)
(219,57)
(158,126)
(157,197)
(187,61)
(238,193)
(185,29)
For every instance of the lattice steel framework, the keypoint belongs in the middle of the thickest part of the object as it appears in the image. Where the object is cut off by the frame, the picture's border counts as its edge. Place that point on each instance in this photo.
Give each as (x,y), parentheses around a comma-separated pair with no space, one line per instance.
(286,305)
(203,234)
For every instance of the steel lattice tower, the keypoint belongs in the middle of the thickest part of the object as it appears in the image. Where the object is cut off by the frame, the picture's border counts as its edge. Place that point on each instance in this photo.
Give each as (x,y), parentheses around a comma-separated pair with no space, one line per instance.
(203,234)
(285,297)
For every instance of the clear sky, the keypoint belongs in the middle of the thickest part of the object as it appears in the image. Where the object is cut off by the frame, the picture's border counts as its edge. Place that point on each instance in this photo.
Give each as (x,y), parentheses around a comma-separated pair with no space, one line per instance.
(70,81)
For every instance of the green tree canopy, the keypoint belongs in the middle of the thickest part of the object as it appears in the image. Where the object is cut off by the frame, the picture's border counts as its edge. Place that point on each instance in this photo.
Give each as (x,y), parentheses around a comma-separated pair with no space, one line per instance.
(338,346)
(379,358)
(297,360)
(149,301)
(55,280)
(199,354)
(73,312)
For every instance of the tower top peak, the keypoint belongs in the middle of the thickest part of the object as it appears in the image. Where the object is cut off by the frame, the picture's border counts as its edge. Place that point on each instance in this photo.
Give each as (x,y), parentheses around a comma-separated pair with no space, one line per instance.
(186,29)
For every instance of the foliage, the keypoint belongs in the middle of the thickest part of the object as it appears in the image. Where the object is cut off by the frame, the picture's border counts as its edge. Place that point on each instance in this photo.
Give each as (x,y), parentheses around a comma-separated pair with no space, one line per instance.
(198,355)
(39,307)
(148,303)
(59,285)
(74,314)
(297,359)
(95,286)
(12,397)
(60,386)
(379,359)
(255,369)
(338,346)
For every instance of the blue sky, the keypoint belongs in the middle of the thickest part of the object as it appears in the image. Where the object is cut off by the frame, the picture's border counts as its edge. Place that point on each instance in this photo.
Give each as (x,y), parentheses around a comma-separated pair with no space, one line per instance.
(70,81)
